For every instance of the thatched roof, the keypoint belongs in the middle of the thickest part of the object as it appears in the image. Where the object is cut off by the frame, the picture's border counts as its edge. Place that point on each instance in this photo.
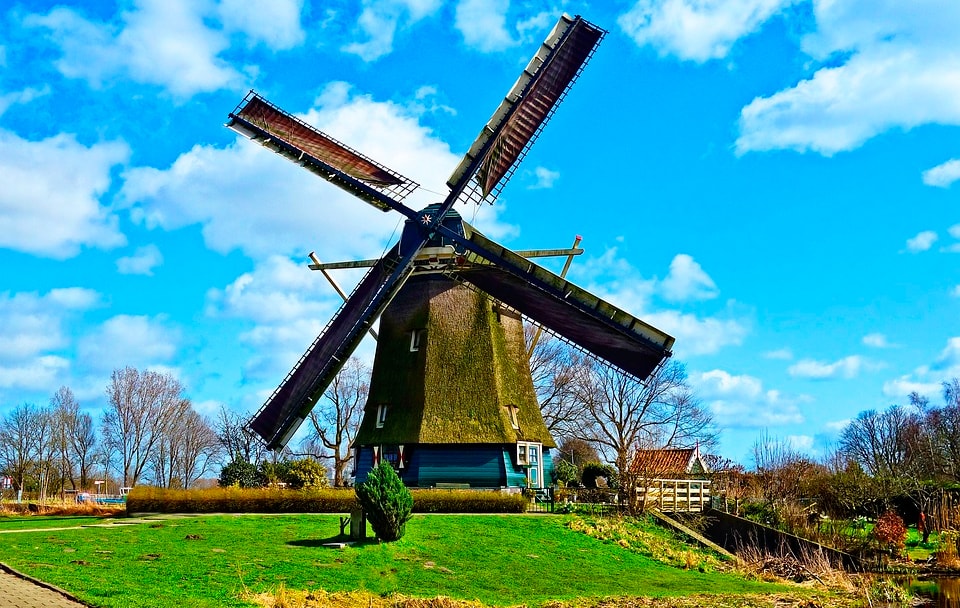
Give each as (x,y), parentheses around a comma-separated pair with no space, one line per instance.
(458,387)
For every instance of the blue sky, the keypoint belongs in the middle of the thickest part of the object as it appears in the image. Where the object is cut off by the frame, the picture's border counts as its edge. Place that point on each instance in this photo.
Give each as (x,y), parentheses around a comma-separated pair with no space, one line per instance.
(774,182)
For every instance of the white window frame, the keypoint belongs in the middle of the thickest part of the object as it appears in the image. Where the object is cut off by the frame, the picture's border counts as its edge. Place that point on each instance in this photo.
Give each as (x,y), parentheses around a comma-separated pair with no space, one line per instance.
(530,465)
(416,339)
(381,415)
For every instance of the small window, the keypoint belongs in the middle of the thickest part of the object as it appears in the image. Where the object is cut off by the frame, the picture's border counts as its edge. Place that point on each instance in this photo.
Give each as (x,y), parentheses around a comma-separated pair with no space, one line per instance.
(416,339)
(522,454)
(528,454)
(512,410)
(381,415)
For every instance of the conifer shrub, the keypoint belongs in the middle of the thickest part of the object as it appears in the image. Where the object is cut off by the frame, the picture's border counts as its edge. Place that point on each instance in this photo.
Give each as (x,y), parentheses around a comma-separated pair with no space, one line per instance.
(386,502)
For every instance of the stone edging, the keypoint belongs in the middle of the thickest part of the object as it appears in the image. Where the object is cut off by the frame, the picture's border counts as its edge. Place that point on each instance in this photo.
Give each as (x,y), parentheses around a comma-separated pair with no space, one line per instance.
(5,568)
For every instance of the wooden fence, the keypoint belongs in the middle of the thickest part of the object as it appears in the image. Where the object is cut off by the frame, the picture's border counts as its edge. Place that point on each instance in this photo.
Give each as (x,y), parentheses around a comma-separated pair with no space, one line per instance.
(674,495)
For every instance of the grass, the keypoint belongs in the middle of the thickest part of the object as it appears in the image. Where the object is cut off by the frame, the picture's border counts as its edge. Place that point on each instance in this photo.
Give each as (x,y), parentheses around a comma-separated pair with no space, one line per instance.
(30,522)
(217,560)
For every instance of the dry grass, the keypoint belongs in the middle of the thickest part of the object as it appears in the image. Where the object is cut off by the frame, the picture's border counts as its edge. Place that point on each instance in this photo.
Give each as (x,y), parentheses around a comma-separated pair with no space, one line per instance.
(60,508)
(284,598)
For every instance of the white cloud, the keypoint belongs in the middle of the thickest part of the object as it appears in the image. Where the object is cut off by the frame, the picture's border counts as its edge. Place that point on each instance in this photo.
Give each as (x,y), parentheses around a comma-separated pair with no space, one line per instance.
(21,97)
(32,336)
(483,24)
(927,379)
(742,401)
(783,354)
(847,367)
(276,23)
(922,242)
(696,335)
(380,20)
(616,280)
(876,340)
(123,340)
(161,42)
(49,203)
(143,261)
(687,281)
(899,68)
(955,292)
(943,175)
(835,426)
(288,305)
(800,443)
(225,189)
(545,178)
(697,30)
(954,231)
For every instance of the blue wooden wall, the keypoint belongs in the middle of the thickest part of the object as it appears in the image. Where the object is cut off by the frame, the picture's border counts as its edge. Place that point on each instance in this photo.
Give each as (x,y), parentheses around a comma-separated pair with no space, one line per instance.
(480,466)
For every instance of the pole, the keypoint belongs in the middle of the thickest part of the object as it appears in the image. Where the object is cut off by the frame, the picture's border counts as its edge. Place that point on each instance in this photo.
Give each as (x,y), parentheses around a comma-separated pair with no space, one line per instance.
(563,273)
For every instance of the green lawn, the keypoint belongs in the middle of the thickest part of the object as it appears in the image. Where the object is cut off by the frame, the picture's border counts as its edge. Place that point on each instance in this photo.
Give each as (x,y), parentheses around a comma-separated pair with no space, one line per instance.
(212,561)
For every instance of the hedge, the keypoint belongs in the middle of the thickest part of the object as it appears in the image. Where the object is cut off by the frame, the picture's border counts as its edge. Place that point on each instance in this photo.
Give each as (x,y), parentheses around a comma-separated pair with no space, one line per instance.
(145,499)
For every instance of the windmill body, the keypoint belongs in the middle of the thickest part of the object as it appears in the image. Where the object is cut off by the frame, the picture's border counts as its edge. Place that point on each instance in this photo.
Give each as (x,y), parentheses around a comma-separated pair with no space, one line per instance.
(451,399)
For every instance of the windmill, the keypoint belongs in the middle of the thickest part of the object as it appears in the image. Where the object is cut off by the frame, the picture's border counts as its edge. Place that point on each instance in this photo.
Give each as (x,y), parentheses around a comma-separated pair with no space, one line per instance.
(451,398)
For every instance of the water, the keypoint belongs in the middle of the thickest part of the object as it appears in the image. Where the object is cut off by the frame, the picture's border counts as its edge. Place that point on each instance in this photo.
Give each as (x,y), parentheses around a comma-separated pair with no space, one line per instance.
(942,592)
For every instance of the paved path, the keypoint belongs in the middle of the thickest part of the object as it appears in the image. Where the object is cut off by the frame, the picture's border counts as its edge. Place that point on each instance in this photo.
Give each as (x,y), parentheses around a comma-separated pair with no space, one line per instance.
(20,591)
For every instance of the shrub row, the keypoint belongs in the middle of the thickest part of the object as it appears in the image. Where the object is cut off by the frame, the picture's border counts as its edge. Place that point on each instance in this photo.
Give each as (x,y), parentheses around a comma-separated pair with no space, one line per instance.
(236,500)
(467,501)
(145,499)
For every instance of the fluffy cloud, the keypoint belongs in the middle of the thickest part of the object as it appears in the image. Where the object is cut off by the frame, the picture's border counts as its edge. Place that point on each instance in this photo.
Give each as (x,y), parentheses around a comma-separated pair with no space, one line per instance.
(49,204)
(876,340)
(143,261)
(483,24)
(161,42)
(617,281)
(545,178)
(251,199)
(847,367)
(902,70)
(942,175)
(21,97)
(687,281)
(955,292)
(697,30)
(276,23)
(922,242)
(742,401)
(696,335)
(380,20)
(123,340)
(783,354)
(288,305)
(32,336)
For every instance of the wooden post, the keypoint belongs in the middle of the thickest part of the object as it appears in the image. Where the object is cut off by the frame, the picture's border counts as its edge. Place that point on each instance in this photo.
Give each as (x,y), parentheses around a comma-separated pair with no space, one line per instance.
(358,524)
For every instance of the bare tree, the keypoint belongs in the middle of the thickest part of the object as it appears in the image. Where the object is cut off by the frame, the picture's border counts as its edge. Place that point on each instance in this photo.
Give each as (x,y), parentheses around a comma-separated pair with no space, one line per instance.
(624,414)
(18,443)
(554,366)
(142,407)
(236,441)
(879,441)
(336,419)
(75,438)
(199,448)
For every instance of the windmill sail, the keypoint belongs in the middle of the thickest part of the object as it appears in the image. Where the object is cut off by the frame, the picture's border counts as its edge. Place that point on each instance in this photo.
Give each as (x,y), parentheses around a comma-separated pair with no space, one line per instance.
(530,103)
(289,136)
(288,407)
(595,325)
